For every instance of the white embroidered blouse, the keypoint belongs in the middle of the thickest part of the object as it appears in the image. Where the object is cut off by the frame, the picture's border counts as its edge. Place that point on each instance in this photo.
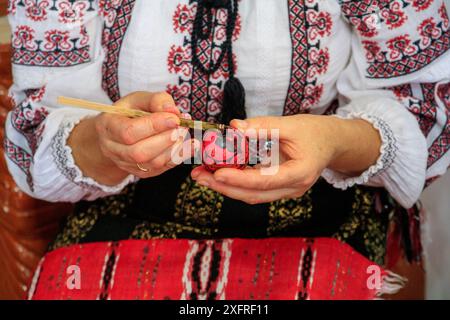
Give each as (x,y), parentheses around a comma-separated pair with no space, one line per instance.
(387,62)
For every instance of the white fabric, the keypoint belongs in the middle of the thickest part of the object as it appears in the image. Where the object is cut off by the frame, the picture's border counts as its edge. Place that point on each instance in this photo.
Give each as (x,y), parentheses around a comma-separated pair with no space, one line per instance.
(264,66)
(401,168)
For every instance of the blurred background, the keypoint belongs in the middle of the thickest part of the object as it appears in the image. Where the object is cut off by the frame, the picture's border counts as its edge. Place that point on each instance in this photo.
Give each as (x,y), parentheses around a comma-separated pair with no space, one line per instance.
(27,225)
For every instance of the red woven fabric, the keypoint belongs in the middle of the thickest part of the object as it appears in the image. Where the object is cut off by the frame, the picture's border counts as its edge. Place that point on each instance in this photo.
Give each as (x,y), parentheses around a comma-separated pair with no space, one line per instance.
(274,268)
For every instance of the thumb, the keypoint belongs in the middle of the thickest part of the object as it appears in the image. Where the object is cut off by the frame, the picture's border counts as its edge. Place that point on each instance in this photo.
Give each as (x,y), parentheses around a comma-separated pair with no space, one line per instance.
(278,125)
(149,101)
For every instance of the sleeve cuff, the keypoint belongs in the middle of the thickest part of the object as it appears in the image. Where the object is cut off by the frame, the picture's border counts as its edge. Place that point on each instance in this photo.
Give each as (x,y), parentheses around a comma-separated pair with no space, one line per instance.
(56,176)
(401,166)
(62,155)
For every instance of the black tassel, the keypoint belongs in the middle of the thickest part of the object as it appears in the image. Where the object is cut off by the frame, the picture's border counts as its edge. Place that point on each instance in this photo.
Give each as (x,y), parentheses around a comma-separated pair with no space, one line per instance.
(233,106)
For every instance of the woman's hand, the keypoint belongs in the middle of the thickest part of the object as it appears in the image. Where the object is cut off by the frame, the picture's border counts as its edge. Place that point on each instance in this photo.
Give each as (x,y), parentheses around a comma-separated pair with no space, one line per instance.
(108,147)
(308,144)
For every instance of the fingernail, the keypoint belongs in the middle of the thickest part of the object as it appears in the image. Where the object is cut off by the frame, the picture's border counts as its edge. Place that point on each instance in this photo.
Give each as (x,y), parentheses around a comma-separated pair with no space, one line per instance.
(171,123)
(203,183)
(186,116)
(240,124)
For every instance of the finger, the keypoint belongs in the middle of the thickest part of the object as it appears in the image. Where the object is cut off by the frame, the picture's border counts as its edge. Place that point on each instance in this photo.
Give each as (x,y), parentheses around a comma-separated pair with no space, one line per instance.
(259,178)
(130,131)
(272,125)
(172,157)
(136,171)
(249,196)
(159,164)
(144,150)
(183,152)
(149,101)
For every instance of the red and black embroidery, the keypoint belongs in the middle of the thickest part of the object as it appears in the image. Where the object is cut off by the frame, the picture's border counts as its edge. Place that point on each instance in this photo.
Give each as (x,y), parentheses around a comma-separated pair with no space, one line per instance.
(56,49)
(68,11)
(404,56)
(12,6)
(198,93)
(420,5)
(36,10)
(72,11)
(441,145)
(444,16)
(308,25)
(366,16)
(20,157)
(426,108)
(29,121)
(117,16)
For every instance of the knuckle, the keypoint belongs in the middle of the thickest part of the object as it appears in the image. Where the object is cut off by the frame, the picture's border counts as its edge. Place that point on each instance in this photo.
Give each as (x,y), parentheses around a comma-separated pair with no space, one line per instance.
(100,124)
(308,181)
(158,163)
(160,97)
(265,185)
(137,155)
(104,149)
(149,124)
(127,134)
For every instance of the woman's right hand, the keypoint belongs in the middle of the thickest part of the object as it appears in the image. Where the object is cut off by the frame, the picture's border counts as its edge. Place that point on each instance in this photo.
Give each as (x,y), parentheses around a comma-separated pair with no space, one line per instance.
(109,147)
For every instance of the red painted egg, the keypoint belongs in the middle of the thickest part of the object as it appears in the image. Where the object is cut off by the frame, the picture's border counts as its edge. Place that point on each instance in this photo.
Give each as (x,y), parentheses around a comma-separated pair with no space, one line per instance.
(227,149)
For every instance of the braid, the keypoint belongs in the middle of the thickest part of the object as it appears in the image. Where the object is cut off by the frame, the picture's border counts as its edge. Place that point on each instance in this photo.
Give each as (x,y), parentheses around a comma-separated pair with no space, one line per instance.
(233,106)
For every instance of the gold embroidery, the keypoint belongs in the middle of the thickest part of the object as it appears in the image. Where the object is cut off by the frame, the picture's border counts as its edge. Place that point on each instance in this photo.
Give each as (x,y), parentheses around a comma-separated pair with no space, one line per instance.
(289,212)
(364,220)
(167,230)
(198,206)
(78,224)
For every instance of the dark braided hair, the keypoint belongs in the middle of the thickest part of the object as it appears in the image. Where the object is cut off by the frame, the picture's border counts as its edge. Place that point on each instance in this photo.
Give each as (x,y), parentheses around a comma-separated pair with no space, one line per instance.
(233,106)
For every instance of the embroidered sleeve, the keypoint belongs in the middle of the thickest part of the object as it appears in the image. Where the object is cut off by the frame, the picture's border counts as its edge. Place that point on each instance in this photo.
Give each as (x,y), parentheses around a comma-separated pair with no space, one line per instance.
(397,38)
(62,155)
(398,79)
(56,50)
(388,152)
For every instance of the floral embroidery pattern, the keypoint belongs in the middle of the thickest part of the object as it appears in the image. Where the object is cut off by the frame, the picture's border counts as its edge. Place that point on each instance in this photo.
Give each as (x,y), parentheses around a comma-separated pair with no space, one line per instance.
(421,5)
(68,11)
(309,26)
(366,15)
(403,54)
(36,10)
(28,121)
(57,46)
(199,94)
(56,49)
(425,110)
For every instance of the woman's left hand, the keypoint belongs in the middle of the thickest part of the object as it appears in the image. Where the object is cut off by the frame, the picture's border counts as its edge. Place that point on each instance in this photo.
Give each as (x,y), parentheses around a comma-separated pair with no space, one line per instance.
(308,144)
